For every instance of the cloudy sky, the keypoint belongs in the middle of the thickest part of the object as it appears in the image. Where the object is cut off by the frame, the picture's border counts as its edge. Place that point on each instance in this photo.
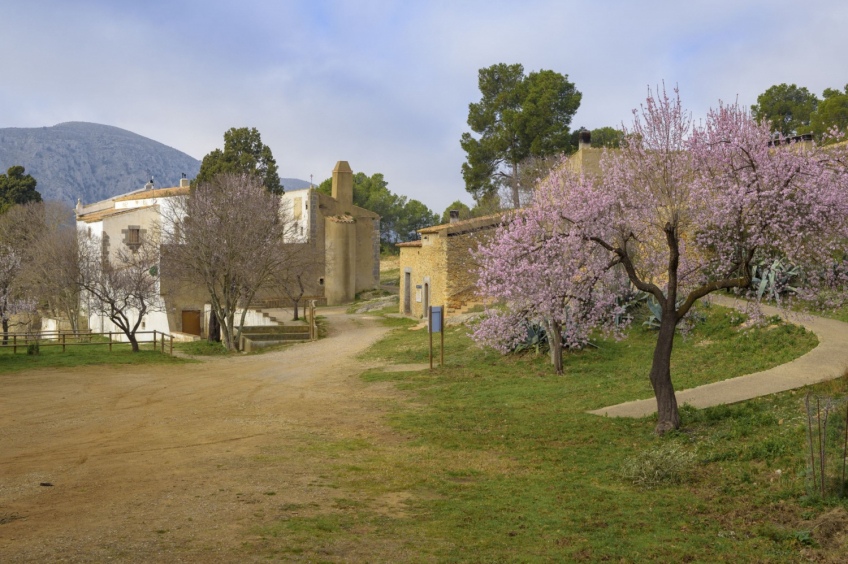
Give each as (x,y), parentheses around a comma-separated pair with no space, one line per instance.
(386,85)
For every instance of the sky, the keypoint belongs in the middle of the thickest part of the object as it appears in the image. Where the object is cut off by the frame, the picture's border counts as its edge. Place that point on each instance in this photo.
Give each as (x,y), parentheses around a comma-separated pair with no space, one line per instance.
(383,84)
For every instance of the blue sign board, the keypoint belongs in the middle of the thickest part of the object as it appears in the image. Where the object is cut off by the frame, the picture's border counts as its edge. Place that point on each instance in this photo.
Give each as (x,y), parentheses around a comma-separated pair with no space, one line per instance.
(436,319)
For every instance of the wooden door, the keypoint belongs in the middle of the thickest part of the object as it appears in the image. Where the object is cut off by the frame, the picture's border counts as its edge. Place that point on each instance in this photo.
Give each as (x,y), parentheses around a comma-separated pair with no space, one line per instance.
(191,322)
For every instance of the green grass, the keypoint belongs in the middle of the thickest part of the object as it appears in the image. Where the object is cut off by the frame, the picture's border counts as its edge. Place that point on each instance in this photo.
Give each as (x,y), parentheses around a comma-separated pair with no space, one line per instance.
(390,277)
(497,460)
(81,355)
(201,348)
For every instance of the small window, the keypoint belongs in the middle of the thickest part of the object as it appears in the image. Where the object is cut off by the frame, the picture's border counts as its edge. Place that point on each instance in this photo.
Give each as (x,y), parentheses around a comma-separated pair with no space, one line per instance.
(321,281)
(133,237)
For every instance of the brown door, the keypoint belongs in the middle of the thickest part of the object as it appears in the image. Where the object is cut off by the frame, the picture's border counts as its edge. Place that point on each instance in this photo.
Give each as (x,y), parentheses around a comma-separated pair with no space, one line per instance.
(191,322)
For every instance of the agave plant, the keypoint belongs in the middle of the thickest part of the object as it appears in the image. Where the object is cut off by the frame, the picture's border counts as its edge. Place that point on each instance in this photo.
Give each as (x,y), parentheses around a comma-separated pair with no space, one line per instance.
(774,280)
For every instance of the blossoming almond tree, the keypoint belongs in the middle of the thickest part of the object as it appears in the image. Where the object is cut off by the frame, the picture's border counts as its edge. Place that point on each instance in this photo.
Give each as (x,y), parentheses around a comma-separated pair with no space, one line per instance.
(685,210)
(534,264)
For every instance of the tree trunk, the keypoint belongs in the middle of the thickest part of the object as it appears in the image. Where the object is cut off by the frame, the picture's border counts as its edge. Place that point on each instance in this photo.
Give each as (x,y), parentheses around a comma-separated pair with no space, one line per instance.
(514,188)
(668,417)
(214,335)
(295,318)
(5,331)
(555,342)
(133,341)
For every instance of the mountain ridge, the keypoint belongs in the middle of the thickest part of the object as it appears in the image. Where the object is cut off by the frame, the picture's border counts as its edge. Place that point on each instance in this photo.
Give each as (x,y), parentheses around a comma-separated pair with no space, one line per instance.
(92,162)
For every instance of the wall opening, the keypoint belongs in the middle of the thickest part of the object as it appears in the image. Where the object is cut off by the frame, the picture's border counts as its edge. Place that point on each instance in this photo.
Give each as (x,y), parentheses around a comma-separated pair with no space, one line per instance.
(407,293)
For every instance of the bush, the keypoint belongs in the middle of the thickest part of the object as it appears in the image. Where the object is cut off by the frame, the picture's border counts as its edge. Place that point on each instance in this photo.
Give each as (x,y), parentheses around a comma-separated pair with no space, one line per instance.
(662,465)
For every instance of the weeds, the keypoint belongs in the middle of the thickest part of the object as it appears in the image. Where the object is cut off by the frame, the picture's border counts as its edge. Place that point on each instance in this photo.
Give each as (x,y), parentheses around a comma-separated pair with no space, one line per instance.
(666,464)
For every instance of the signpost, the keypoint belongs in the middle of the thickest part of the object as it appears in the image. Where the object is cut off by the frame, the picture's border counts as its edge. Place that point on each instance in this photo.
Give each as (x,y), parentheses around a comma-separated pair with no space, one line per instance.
(435,323)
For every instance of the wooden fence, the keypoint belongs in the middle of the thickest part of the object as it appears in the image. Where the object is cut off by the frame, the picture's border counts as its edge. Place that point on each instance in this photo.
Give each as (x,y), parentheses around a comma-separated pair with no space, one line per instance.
(70,339)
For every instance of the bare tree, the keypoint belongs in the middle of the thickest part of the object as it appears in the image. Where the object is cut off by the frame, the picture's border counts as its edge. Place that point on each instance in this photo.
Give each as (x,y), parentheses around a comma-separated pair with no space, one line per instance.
(21,227)
(291,275)
(227,236)
(52,272)
(124,287)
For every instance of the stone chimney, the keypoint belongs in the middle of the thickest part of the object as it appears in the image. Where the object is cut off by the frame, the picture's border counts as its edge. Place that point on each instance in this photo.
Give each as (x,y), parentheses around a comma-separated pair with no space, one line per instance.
(343,184)
(454,216)
(184,182)
(584,140)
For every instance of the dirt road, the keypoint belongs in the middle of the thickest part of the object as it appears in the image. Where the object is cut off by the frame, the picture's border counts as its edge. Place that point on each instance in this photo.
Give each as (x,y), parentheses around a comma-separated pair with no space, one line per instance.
(175,464)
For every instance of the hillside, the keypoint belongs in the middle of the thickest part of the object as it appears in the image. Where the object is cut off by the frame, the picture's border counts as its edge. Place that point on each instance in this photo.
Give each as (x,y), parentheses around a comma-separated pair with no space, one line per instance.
(94,162)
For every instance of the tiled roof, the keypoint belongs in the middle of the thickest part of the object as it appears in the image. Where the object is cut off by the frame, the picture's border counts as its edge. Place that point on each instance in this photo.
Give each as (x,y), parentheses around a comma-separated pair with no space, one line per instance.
(109,212)
(154,193)
(409,244)
(465,225)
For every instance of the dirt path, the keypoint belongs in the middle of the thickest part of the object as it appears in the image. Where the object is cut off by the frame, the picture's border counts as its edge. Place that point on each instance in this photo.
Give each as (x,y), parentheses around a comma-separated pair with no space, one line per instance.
(176,464)
(829,360)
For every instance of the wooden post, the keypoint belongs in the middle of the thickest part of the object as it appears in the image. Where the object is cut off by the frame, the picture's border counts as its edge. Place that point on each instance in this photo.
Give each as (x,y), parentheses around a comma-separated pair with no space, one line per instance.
(430,331)
(14,344)
(110,340)
(442,332)
(154,341)
(172,345)
(63,342)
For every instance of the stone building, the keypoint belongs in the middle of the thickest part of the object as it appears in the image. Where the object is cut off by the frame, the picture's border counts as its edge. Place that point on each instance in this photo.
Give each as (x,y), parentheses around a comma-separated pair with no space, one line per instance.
(439,269)
(344,240)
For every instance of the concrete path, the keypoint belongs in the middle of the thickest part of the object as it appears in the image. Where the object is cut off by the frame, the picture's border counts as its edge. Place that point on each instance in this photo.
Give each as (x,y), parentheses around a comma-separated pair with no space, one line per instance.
(829,360)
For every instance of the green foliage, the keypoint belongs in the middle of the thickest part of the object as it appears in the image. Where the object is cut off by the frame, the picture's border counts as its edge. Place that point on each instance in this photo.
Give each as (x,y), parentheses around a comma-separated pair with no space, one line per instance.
(17,188)
(244,153)
(602,137)
(464,212)
(832,112)
(668,463)
(399,218)
(773,279)
(787,108)
(608,137)
(517,117)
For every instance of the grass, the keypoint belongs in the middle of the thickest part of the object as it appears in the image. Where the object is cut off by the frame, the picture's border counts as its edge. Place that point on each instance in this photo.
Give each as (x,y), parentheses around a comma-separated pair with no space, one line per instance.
(497,460)
(201,348)
(81,355)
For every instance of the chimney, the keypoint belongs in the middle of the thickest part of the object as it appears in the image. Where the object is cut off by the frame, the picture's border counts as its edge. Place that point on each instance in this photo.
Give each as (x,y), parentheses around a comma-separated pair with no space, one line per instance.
(454,216)
(584,140)
(343,184)
(184,182)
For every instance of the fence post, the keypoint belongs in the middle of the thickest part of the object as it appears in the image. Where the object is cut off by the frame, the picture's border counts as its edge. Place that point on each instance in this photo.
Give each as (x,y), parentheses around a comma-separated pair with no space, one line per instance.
(63,342)
(110,340)
(172,345)
(14,344)
(154,340)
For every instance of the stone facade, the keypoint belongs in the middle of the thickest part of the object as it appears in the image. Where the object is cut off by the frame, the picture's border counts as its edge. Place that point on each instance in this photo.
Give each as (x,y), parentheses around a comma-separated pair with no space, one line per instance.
(439,269)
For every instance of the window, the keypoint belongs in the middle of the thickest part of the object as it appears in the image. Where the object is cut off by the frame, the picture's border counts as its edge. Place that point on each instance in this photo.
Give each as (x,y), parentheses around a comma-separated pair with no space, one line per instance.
(132,237)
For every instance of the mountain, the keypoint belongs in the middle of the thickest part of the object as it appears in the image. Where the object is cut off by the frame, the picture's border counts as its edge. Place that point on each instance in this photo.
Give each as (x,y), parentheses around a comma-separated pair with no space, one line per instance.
(94,162)
(91,161)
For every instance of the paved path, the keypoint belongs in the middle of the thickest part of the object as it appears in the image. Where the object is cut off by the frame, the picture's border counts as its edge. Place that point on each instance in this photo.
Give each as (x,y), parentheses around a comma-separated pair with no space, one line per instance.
(829,360)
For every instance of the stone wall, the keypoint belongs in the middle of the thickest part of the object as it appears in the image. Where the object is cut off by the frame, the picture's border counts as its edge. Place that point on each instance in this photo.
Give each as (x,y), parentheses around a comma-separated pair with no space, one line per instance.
(462,267)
